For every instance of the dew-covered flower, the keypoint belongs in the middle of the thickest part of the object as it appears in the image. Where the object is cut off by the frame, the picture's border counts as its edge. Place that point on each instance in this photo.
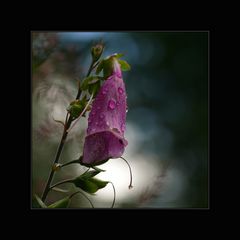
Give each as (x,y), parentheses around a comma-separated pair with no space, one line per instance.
(107,121)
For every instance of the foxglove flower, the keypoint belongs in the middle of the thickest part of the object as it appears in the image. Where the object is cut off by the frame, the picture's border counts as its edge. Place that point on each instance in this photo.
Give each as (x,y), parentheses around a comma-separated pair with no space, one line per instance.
(106,122)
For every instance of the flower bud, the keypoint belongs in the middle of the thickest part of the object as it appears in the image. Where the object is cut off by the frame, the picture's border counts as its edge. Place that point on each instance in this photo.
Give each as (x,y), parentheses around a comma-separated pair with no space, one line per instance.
(97,51)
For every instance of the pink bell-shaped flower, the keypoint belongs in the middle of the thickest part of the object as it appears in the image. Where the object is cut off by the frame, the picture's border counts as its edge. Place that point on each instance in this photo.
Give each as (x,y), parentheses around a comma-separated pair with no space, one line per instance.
(107,121)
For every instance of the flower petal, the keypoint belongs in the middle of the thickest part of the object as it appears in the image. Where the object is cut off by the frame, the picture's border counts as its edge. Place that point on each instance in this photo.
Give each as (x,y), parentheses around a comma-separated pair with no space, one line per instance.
(109,107)
(101,146)
(106,122)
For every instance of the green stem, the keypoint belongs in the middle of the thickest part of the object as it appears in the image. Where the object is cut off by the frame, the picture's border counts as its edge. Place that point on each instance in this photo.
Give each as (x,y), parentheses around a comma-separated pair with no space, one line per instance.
(130,184)
(88,73)
(59,151)
(62,142)
(90,68)
(114,194)
(71,162)
(59,183)
(62,182)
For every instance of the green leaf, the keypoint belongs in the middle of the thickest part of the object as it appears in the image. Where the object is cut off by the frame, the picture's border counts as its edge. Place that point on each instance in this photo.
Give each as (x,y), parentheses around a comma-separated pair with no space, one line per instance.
(89,80)
(86,185)
(76,107)
(118,55)
(100,66)
(63,203)
(89,174)
(89,184)
(98,169)
(39,202)
(108,67)
(94,88)
(124,65)
(100,184)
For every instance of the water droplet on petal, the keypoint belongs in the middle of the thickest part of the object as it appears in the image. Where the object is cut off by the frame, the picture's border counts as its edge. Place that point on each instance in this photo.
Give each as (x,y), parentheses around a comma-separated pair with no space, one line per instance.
(120,90)
(112,104)
(107,123)
(118,103)
(116,130)
(126,109)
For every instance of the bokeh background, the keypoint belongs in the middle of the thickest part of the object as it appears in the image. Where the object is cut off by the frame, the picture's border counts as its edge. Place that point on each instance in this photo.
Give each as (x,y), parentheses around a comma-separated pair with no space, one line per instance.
(167,121)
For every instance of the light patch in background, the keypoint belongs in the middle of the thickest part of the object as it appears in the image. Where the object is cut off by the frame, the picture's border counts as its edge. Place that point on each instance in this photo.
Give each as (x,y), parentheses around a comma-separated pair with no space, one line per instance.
(118,173)
(150,180)
(50,100)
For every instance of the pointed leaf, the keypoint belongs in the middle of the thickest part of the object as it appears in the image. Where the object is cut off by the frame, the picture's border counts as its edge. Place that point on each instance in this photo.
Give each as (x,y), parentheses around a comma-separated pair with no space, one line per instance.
(89,80)
(94,88)
(86,185)
(98,169)
(100,184)
(76,107)
(118,55)
(63,203)
(89,174)
(124,65)
(89,184)
(40,203)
